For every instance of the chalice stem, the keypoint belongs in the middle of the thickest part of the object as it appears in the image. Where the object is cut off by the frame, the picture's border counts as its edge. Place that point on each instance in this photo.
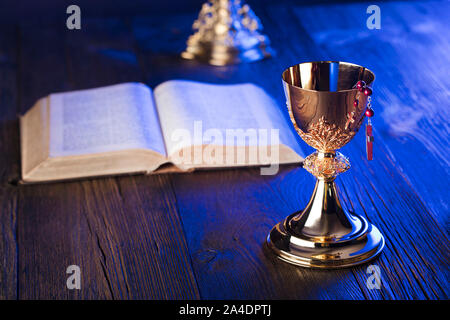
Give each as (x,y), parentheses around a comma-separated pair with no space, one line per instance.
(323,219)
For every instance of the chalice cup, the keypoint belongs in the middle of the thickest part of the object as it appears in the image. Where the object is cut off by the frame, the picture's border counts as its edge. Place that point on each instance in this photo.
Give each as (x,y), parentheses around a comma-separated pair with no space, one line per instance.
(327,110)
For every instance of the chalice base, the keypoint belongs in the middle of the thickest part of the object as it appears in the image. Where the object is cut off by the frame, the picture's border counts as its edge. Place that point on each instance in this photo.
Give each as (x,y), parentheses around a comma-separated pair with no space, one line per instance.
(219,55)
(324,235)
(298,251)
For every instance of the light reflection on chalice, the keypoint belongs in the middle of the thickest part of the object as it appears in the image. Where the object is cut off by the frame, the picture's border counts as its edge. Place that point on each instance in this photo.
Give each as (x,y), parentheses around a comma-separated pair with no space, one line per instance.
(327,110)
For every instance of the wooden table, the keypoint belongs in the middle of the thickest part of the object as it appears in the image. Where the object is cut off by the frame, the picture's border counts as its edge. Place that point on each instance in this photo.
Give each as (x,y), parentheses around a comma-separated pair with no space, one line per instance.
(200,235)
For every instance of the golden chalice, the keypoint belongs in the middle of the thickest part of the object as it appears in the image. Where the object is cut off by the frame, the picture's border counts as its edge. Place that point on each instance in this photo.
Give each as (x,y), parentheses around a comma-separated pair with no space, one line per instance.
(327,110)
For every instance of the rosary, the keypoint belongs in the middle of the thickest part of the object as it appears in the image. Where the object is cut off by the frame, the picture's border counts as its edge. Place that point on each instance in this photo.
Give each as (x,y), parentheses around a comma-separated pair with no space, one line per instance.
(361,86)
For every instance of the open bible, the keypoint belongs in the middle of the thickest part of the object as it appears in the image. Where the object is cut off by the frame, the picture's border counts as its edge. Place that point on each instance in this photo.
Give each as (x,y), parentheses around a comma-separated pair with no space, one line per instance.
(130,128)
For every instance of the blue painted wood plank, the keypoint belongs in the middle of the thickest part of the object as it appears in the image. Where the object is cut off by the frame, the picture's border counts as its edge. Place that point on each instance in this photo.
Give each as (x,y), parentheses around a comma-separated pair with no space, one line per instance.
(9,159)
(123,232)
(390,191)
(408,55)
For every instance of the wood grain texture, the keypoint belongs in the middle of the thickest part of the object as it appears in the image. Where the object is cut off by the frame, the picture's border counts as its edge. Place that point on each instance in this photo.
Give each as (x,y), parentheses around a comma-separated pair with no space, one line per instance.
(123,232)
(9,160)
(401,191)
(226,219)
(226,216)
(407,55)
(201,235)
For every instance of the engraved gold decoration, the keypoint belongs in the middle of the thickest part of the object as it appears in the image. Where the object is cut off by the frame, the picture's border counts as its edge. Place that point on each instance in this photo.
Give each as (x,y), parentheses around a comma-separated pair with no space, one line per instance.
(325,137)
(227,32)
(326,167)
(327,112)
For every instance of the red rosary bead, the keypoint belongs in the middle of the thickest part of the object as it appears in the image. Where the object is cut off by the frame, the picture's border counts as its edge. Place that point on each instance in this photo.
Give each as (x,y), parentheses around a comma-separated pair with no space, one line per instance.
(360,85)
(367,91)
(369,113)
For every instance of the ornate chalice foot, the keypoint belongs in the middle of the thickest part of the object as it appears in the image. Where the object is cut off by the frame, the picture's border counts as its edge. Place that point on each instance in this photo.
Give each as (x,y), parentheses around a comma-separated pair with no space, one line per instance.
(324,235)
(227,32)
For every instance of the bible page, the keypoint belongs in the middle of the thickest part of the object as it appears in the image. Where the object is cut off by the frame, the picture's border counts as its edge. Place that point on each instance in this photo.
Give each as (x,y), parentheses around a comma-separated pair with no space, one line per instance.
(211,113)
(112,118)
